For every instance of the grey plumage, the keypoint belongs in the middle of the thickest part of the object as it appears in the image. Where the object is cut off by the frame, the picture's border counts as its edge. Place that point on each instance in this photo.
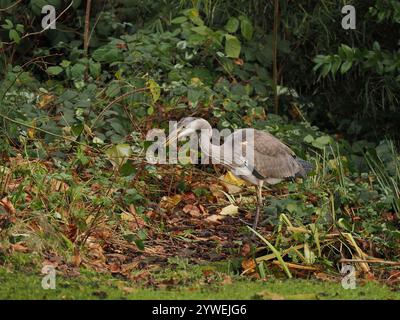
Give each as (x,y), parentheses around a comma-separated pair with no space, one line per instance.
(257,156)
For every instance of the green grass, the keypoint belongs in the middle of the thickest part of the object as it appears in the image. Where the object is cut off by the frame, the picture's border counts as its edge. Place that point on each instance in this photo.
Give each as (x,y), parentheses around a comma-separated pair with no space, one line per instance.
(89,285)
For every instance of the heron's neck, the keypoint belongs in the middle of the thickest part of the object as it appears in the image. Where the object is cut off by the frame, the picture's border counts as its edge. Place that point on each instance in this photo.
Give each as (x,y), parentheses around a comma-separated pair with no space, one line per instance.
(206,146)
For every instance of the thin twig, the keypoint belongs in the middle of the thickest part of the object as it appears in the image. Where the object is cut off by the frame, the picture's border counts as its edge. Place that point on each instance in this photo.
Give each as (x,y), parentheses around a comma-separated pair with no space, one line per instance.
(10,6)
(392,263)
(45,29)
(125,95)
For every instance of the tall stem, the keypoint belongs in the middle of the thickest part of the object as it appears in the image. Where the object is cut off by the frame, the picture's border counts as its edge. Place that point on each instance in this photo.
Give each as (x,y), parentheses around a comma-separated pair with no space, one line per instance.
(275,56)
(87,27)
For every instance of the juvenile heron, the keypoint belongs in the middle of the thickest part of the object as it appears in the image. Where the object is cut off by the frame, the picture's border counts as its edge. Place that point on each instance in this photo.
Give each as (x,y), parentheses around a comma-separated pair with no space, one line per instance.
(252,155)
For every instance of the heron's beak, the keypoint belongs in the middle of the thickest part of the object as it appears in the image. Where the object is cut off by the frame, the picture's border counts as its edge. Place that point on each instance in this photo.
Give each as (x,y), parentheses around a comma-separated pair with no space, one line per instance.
(173,136)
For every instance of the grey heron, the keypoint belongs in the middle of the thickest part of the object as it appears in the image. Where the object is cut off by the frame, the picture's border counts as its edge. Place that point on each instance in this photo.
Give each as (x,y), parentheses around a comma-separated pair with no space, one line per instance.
(252,155)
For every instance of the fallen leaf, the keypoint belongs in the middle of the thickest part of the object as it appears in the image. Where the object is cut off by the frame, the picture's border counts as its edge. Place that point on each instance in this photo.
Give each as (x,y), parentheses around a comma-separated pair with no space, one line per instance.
(17,247)
(248,265)
(76,259)
(170,202)
(8,206)
(244,252)
(192,210)
(45,100)
(230,210)
(126,216)
(231,183)
(215,218)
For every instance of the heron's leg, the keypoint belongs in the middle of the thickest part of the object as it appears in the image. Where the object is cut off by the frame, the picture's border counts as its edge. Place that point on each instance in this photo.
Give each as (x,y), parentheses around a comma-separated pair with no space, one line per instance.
(259,204)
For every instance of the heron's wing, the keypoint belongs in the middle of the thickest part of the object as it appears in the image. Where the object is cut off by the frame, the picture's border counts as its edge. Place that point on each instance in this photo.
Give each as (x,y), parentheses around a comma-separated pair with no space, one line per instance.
(272,158)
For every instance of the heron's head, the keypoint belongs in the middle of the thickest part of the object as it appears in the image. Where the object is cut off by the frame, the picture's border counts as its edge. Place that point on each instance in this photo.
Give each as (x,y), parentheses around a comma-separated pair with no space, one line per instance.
(185,127)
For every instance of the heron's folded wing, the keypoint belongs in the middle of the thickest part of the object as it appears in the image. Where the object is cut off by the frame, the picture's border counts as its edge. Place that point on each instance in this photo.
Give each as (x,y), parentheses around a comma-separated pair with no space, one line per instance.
(272,158)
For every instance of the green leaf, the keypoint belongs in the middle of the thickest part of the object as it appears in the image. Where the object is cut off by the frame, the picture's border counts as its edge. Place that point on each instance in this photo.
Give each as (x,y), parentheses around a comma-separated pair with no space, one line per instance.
(14,35)
(203,30)
(232,25)
(349,52)
(194,15)
(140,244)
(78,71)
(246,29)
(118,154)
(179,20)
(154,90)
(54,70)
(274,251)
(346,66)
(324,140)
(232,46)
(107,54)
(95,69)
(127,169)
(308,139)
(19,28)
(9,25)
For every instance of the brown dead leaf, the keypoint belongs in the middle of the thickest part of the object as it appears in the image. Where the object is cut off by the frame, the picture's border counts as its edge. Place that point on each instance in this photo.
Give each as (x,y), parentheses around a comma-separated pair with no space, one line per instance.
(203,210)
(189,197)
(170,202)
(45,100)
(227,280)
(216,191)
(231,183)
(18,247)
(215,218)
(129,266)
(76,259)
(192,210)
(115,267)
(246,249)
(238,62)
(151,214)
(248,265)
(8,206)
(57,185)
